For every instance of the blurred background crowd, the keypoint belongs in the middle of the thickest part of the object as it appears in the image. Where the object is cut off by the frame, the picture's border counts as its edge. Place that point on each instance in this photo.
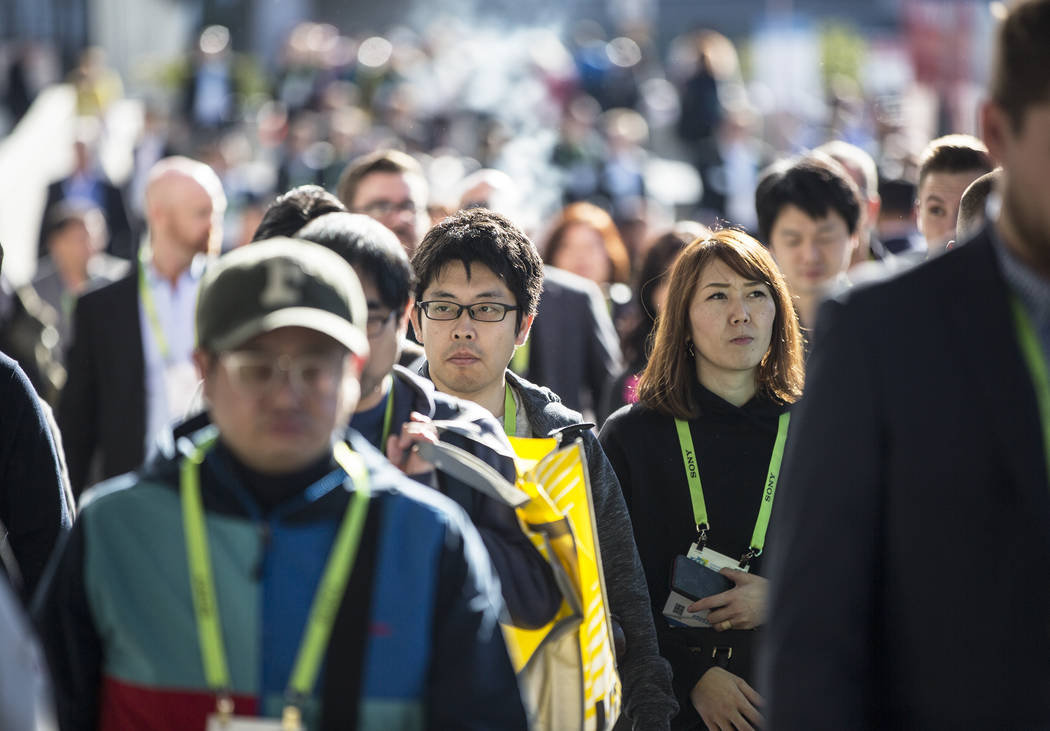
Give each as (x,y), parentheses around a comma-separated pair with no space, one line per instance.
(653,112)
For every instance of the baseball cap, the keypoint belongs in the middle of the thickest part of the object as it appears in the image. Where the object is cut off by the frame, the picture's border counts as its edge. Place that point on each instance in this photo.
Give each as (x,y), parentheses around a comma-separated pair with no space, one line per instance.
(276,283)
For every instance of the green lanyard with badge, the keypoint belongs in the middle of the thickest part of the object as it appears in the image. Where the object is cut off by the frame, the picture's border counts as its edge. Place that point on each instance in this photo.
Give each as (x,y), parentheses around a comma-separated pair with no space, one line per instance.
(697,574)
(1037,369)
(323,611)
(696,490)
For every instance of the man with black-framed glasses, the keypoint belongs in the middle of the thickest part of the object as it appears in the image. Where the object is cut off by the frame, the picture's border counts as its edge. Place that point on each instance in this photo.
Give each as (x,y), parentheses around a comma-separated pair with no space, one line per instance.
(393,399)
(479,281)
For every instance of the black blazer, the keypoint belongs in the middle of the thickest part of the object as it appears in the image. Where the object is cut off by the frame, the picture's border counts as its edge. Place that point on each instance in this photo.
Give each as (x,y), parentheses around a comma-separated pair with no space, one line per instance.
(102,409)
(912,540)
(573,350)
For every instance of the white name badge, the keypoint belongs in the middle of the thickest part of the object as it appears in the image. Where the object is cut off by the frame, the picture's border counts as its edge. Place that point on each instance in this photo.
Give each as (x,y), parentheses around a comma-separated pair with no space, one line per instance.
(242,723)
(713,559)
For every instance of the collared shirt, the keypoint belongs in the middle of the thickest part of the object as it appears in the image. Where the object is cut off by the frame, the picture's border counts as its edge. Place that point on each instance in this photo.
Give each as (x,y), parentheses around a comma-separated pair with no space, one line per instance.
(1032,290)
(175,308)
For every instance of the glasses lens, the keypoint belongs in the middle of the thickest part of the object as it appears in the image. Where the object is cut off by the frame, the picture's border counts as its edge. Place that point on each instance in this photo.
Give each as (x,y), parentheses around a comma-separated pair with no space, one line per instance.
(256,373)
(488,311)
(441,310)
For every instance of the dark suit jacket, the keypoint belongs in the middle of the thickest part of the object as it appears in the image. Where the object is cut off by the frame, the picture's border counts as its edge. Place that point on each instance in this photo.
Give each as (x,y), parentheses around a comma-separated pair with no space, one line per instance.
(102,409)
(912,544)
(121,240)
(573,347)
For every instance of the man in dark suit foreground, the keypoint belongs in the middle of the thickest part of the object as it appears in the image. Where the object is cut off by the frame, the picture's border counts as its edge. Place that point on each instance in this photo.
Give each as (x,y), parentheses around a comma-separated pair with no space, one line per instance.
(909,569)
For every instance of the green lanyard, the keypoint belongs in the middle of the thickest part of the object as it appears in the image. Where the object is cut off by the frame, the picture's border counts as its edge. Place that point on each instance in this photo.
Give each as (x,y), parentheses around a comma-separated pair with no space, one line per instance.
(510,413)
(326,601)
(388,415)
(146,295)
(696,490)
(1036,362)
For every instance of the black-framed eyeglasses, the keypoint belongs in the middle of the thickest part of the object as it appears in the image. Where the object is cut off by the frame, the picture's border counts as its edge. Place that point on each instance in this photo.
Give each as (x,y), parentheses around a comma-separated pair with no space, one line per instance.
(480,311)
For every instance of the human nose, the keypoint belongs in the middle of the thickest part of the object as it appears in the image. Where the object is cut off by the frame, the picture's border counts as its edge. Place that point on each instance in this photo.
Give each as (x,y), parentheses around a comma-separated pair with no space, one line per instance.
(464,327)
(810,252)
(286,385)
(740,312)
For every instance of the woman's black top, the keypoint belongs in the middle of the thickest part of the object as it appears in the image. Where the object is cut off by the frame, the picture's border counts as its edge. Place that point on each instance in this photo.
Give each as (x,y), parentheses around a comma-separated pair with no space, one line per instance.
(733,448)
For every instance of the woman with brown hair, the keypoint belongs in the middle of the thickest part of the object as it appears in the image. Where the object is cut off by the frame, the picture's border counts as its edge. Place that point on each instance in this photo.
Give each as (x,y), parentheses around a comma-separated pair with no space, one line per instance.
(698,458)
(584,240)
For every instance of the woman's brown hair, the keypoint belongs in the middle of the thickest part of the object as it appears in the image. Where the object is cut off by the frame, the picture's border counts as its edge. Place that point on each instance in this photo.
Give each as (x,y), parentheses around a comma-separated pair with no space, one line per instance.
(667,383)
(588,214)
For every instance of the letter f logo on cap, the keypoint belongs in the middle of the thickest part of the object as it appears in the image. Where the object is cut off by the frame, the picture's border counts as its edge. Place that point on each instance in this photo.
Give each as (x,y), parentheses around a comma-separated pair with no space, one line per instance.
(283,280)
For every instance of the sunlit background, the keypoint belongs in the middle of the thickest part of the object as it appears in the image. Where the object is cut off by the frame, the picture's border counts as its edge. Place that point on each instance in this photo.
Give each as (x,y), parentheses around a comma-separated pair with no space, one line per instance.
(658,109)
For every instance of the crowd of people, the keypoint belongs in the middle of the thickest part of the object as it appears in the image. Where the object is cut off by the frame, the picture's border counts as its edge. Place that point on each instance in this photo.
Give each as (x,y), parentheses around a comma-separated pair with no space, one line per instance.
(816,438)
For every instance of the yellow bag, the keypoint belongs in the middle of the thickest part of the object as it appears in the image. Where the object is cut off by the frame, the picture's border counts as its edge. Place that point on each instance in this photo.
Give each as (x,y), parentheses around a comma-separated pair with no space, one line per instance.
(566,669)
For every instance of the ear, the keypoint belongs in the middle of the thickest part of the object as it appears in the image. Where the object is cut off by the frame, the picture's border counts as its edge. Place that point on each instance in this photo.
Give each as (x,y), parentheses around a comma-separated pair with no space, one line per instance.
(994,129)
(414,316)
(523,331)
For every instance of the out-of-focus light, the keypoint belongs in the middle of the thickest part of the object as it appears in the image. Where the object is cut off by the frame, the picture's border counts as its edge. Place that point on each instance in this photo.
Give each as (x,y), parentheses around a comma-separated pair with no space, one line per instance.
(214,39)
(623,52)
(998,10)
(375,52)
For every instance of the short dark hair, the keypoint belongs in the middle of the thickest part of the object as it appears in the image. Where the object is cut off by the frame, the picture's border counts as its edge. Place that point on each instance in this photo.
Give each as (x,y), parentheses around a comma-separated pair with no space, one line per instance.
(814,183)
(291,211)
(973,203)
(1021,59)
(480,235)
(371,249)
(380,161)
(954,154)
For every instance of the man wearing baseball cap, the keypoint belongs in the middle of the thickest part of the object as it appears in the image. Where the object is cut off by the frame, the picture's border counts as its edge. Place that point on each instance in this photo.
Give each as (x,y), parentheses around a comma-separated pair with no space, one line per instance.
(276,567)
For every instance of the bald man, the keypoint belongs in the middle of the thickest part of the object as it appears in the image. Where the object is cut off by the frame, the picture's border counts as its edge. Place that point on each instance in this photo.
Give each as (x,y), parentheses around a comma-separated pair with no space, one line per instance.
(130,367)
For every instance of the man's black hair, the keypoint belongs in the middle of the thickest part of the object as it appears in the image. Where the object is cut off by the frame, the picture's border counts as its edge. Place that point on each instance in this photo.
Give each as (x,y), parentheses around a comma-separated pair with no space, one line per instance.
(480,235)
(291,211)
(816,185)
(371,249)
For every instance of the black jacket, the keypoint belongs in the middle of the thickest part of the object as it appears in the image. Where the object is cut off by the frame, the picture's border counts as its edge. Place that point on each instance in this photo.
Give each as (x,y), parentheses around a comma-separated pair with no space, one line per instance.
(573,346)
(33,509)
(913,515)
(733,446)
(102,409)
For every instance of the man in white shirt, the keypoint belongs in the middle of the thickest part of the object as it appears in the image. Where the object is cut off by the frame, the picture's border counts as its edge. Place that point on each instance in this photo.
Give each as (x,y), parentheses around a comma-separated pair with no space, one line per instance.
(130,368)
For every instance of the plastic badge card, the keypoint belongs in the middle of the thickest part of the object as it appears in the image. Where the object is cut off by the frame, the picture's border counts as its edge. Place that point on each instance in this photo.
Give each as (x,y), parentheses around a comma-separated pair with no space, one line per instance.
(675,608)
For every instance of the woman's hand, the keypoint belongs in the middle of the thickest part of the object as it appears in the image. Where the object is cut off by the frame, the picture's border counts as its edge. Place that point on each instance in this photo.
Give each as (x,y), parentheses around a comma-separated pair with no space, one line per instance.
(400,448)
(726,702)
(742,607)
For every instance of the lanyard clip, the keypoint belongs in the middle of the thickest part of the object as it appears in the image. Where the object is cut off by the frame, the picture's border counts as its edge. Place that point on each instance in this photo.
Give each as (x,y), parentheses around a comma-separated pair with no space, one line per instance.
(701,535)
(748,556)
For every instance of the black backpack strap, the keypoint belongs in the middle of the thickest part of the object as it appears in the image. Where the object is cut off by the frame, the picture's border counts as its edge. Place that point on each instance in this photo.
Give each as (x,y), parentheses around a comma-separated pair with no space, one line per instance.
(341,681)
